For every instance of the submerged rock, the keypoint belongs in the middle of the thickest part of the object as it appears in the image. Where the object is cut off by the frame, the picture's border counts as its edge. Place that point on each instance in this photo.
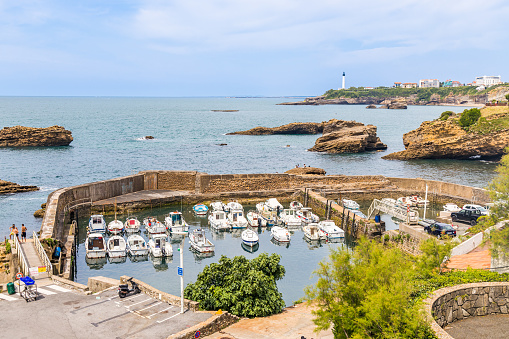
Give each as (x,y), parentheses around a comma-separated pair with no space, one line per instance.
(149,137)
(292,128)
(371,106)
(306,170)
(20,136)
(10,187)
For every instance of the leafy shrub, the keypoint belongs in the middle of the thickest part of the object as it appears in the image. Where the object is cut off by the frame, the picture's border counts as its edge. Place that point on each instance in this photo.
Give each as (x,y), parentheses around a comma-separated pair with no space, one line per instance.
(507,96)
(243,287)
(469,117)
(445,115)
(7,247)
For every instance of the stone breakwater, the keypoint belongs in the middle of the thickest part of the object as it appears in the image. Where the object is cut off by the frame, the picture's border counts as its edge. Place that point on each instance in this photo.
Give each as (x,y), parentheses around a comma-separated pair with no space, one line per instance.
(20,136)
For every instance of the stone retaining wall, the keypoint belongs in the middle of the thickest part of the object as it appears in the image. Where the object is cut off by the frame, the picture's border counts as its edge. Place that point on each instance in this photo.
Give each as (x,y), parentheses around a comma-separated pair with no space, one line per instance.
(212,325)
(458,302)
(177,180)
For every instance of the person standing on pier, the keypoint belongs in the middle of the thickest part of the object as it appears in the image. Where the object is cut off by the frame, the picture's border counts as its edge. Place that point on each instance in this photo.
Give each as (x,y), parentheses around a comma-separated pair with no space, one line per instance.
(11,231)
(15,231)
(23,233)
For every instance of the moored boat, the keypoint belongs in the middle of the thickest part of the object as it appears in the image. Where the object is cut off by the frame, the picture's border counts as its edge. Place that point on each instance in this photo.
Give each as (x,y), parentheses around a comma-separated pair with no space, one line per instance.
(95,246)
(136,245)
(280,234)
(331,230)
(406,201)
(253,219)
(199,242)
(451,207)
(233,206)
(350,204)
(237,219)
(96,224)
(175,223)
(219,221)
(116,247)
(418,201)
(159,246)
(115,227)
(249,237)
(132,225)
(306,216)
(289,218)
(154,226)
(313,232)
(217,206)
(295,205)
(200,209)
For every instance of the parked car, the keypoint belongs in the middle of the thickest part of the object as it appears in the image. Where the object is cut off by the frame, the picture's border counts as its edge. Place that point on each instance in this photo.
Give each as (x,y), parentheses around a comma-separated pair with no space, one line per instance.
(468,216)
(472,207)
(439,229)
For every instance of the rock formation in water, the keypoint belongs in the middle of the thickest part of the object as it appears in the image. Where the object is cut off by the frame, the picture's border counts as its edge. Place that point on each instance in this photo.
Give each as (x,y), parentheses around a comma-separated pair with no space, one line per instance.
(399,103)
(447,140)
(306,171)
(10,187)
(293,128)
(20,136)
(341,136)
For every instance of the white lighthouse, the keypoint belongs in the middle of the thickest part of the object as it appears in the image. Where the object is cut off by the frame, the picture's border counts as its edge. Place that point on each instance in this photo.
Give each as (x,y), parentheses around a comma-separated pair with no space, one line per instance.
(343,86)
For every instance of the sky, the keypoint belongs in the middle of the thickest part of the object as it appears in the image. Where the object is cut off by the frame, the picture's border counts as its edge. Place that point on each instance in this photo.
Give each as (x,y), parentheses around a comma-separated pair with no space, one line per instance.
(176,48)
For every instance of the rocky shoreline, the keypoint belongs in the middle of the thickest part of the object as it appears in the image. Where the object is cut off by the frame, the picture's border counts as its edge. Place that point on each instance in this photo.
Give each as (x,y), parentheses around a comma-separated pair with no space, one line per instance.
(21,136)
(7,187)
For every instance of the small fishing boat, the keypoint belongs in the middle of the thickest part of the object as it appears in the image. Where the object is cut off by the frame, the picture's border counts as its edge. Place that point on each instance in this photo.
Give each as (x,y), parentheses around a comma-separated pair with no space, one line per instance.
(274,204)
(450,207)
(418,201)
(219,221)
(132,225)
(280,234)
(331,230)
(96,224)
(289,218)
(237,219)
(159,246)
(95,245)
(200,209)
(217,206)
(199,242)
(295,205)
(350,204)
(136,245)
(306,216)
(233,206)
(175,223)
(405,202)
(253,219)
(154,226)
(249,237)
(115,227)
(116,247)
(313,232)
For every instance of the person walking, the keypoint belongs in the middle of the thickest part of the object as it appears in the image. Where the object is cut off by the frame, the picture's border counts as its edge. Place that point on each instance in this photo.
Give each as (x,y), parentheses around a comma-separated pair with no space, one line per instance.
(23,233)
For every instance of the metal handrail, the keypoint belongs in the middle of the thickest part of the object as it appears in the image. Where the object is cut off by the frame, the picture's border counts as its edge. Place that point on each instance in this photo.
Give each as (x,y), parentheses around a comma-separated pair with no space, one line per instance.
(42,255)
(23,262)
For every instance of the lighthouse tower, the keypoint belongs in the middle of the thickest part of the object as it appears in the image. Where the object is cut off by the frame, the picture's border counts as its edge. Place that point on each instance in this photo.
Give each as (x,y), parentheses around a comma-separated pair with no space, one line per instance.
(343,87)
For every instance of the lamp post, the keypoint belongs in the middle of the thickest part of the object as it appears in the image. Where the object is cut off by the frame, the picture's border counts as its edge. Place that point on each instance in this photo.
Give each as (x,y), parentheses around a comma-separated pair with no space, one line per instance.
(180,269)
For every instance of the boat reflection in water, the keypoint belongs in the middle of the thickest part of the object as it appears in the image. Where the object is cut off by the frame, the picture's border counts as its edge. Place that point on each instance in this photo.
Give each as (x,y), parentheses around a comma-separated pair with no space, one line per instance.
(138,258)
(336,240)
(160,263)
(250,249)
(176,238)
(96,263)
(218,235)
(279,243)
(198,257)
(314,244)
(117,260)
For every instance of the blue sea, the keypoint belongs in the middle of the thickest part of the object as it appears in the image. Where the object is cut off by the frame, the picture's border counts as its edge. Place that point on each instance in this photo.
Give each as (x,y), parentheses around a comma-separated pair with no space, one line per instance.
(109,142)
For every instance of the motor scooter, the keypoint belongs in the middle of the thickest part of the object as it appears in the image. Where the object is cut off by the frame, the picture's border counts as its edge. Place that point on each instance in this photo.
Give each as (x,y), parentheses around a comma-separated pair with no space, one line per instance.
(124,290)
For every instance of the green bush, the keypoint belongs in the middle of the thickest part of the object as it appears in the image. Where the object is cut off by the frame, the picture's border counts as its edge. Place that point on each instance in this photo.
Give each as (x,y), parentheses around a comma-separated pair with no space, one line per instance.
(445,115)
(7,247)
(507,97)
(469,117)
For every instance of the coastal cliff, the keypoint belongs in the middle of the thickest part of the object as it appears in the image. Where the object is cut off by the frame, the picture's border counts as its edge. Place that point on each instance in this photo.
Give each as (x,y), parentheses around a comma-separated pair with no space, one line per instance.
(7,187)
(20,136)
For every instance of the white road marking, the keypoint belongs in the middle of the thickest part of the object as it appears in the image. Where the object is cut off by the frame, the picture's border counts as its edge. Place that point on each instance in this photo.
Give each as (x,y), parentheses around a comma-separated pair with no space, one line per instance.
(45,292)
(58,288)
(166,309)
(140,302)
(146,308)
(126,299)
(7,297)
(160,321)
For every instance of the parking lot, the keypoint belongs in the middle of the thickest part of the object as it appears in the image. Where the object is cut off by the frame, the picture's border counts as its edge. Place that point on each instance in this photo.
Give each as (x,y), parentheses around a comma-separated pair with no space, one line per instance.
(66,314)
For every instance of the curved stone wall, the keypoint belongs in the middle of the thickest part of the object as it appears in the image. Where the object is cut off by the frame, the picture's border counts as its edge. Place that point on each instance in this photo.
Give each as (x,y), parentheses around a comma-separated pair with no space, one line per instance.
(450,304)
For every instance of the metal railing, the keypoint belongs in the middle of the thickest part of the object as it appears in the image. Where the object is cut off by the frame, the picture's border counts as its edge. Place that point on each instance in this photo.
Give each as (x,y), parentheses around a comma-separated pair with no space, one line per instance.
(409,215)
(23,262)
(42,255)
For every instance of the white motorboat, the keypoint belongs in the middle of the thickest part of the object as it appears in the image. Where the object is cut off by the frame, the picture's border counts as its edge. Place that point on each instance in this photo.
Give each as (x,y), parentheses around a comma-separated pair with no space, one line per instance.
(217,206)
(199,242)
(95,245)
(175,223)
(289,218)
(253,219)
(115,226)
(233,206)
(96,224)
(237,219)
(418,201)
(350,204)
(116,247)
(295,205)
(159,246)
(331,230)
(406,201)
(132,225)
(306,216)
(154,226)
(136,245)
(313,232)
(274,204)
(219,221)
(249,237)
(200,209)
(280,234)
(451,207)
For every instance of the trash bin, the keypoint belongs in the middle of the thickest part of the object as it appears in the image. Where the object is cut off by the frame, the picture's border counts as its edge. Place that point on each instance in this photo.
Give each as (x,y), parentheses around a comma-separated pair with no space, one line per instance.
(10,288)
(377,218)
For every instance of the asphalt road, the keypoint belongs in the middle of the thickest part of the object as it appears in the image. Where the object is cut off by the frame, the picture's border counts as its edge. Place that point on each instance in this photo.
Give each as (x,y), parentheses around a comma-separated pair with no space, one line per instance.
(61,313)
(487,327)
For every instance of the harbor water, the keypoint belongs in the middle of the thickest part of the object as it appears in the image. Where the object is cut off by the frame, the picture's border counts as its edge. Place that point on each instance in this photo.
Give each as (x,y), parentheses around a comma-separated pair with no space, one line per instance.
(109,141)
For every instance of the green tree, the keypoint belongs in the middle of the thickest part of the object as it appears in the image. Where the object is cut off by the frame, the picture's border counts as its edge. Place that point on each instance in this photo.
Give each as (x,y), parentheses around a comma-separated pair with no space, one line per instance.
(507,96)
(243,287)
(366,294)
(469,117)
(445,115)
(433,254)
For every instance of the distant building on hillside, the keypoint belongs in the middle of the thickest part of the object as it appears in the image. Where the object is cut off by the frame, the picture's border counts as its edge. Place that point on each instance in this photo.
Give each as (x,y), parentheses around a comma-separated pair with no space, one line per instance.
(368,87)
(427,83)
(450,83)
(409,85)
(487,81)
(397,84)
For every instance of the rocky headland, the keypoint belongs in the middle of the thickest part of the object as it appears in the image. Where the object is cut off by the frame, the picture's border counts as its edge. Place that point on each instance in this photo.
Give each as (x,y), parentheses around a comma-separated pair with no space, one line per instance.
(306,171)
(20,136)
(339,136)
(7,187)
(446,139)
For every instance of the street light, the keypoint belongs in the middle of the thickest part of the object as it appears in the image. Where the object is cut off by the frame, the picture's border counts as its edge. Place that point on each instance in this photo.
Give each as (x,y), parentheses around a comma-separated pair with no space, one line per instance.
(180,269)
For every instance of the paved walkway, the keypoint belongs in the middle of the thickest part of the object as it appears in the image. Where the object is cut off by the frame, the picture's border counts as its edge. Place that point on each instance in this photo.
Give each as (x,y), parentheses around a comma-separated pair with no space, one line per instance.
(479,258)
(141,196)
(487,327)
(294,322)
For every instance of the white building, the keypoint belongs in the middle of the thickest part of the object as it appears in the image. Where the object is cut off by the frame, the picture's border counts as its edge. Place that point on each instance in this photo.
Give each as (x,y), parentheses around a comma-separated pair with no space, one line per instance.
(425,83)
(487,81)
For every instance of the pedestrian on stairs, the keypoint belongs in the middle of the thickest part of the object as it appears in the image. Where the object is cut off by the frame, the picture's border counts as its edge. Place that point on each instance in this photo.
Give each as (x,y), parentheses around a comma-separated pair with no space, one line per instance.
(23,233)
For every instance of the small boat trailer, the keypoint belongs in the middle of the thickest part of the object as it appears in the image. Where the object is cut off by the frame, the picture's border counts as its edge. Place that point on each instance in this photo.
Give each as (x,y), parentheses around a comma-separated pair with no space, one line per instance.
(27,289)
